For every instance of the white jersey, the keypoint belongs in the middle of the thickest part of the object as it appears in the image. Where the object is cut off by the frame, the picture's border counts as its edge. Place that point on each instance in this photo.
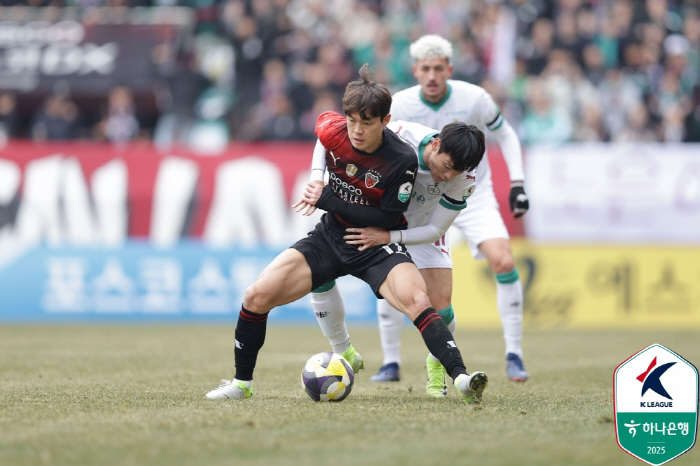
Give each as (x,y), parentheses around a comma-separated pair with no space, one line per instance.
(463,102)
(427,193)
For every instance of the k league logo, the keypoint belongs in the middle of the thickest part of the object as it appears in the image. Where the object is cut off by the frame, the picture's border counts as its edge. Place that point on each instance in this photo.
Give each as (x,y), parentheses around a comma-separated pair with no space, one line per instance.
(655,397)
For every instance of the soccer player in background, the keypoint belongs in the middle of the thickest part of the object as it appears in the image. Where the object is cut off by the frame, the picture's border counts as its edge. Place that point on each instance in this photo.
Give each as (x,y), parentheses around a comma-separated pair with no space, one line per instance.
(446,178)
(436,101)
(372,173)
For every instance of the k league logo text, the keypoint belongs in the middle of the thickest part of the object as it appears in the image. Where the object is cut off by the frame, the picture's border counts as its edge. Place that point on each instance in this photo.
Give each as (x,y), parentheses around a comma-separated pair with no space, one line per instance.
(651,380)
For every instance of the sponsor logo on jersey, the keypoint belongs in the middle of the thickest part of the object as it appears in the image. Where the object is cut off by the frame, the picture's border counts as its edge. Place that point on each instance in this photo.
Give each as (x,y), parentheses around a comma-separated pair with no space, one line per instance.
(468,192)
(371,178)
(434,189)
(351,170)
(405,191)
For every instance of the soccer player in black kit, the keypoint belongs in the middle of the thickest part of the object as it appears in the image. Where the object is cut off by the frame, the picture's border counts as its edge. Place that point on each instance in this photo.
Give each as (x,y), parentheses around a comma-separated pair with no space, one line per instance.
(371,181)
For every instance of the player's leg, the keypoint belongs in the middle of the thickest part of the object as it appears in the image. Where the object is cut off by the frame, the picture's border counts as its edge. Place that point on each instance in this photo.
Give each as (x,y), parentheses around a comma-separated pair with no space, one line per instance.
(439,284)
(509,299)
(329,309)
(390,325)
(482,226)
(404,288)
(286,279)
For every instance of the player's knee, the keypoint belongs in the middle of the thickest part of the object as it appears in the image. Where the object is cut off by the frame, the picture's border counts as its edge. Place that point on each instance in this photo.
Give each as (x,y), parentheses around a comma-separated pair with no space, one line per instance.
(503,263)
(255,300)
(441,302)
(419,303)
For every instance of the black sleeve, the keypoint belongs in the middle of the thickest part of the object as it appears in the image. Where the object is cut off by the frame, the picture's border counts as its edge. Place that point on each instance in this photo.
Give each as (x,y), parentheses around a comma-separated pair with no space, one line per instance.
(361,214)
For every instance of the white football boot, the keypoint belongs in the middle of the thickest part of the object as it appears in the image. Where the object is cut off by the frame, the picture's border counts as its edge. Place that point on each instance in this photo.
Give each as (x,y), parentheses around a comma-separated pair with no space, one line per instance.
(237,389)
(472,386)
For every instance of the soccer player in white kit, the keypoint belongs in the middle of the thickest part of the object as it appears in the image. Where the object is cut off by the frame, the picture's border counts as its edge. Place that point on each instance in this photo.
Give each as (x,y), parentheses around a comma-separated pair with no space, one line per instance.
(435,102)
(444,182)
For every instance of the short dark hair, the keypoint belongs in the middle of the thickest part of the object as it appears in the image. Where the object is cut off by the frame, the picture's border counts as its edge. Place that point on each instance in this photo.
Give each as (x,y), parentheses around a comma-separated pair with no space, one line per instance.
(367,97)
(465,144)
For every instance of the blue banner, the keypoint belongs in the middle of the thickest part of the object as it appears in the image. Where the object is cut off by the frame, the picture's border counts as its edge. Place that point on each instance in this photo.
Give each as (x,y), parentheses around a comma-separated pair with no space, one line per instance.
(138,282)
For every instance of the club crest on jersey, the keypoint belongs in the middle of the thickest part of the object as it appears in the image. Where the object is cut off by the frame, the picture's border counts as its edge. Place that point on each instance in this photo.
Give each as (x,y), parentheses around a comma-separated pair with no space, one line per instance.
(405,191)
(350,170)
(371,178)
(434,189)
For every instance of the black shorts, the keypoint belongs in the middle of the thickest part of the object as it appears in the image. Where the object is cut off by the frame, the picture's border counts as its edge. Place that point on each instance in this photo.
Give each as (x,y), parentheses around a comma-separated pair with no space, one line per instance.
(330,257)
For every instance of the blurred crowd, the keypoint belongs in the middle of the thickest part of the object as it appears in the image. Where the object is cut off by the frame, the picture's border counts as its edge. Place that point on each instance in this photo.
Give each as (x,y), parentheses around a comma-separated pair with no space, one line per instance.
(561,70)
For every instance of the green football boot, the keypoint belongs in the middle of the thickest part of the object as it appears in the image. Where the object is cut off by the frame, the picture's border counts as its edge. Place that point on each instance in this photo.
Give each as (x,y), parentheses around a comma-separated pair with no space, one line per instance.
(354,358)
(437,388)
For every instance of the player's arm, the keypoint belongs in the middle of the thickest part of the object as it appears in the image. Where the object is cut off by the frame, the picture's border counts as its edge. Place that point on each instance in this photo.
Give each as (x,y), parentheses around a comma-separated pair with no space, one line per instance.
(313,190)
(512,154)
(440,221)
(356,213)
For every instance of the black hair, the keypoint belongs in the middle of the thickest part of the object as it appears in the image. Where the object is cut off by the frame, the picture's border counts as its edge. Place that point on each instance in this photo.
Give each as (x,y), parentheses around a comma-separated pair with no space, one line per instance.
(465,144)
(367,97)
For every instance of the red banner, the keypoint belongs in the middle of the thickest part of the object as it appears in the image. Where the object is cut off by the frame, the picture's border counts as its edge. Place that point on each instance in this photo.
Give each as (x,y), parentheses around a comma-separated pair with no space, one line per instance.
(97,194)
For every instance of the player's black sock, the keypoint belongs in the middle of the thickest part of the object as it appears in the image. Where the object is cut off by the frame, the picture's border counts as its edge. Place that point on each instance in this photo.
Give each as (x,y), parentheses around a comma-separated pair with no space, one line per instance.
(250,337)
(440,341)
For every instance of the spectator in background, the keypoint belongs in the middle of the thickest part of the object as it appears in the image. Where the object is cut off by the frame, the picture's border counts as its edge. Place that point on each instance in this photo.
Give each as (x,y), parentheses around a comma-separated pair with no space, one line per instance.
(119,123)
(629,52)
(9,121)
(326,101)
(184,87)
(543,121)
(636,127)
(692,120)
(57,119)
(618,96)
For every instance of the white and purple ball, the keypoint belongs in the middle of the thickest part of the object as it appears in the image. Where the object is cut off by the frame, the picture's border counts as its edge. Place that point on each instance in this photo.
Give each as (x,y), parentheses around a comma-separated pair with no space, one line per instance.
(327,377)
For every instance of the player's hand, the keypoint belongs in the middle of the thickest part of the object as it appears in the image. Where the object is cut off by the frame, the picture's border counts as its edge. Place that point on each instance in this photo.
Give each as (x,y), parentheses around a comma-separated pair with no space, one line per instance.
(312,192)
(519,204)
(367,238)
(307,205)
(304,208)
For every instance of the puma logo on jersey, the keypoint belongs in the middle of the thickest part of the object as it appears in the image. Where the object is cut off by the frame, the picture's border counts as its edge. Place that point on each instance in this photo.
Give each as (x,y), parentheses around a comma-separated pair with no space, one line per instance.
(412,173)
(321,125)
(451,344)
(239,345)
(335,159)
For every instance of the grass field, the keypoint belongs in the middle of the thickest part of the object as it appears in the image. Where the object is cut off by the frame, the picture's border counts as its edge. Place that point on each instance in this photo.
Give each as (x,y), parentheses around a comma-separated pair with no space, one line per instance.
(134,395)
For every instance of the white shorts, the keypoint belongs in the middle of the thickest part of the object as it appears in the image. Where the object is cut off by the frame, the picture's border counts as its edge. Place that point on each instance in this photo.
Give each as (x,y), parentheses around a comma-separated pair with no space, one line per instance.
(480,221)
(433,255)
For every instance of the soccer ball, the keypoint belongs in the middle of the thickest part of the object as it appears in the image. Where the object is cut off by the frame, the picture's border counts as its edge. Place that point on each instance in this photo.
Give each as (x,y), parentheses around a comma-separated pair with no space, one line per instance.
(327,377)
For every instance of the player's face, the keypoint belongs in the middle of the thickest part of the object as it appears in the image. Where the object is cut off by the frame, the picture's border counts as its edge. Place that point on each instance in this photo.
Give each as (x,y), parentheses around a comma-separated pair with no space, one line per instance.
(432,75)
(440,165)
(366,135)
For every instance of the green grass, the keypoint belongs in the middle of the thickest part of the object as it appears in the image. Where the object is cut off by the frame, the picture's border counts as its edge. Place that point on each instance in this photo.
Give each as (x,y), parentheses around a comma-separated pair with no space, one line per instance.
(134,395)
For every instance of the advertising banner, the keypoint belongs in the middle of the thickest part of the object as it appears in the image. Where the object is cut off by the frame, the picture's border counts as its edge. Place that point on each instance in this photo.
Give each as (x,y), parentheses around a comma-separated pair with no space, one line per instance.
(91,53)
(618,193)
(586,287)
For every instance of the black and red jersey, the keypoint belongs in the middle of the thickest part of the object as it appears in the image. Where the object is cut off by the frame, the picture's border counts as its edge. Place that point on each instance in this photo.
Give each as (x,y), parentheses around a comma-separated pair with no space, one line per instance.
(382,179)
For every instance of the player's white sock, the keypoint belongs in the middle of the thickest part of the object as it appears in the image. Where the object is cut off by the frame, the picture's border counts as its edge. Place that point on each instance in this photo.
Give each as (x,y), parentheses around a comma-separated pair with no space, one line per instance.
(509,298)
(390,325)
(330,313)
(452,325)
